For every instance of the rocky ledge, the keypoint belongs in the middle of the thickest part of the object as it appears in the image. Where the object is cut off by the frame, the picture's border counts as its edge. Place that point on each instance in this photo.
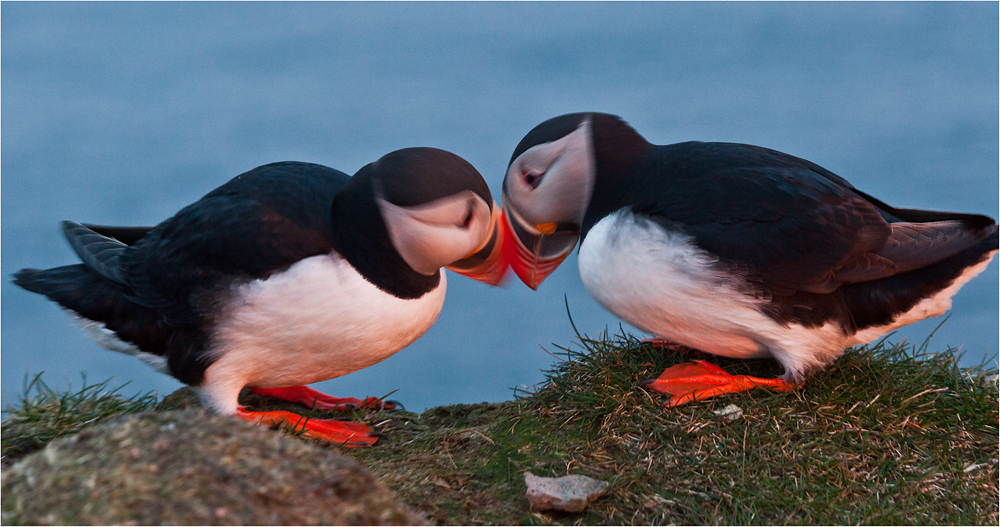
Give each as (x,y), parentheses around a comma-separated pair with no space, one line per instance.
(191,467)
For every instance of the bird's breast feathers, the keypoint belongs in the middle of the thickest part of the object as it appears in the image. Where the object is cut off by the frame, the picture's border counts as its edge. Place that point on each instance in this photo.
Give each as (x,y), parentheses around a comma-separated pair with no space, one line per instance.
(318,320)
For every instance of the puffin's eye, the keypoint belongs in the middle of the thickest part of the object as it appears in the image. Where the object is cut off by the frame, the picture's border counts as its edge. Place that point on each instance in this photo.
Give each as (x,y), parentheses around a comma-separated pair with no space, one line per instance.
(468,218)
(532,178)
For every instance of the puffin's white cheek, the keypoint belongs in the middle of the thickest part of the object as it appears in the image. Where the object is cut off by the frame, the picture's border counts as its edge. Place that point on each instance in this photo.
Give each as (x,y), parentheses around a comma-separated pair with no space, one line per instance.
(567,180)
(431,236)
(427,248)
(479,227)
(450,243)
(565,190)
(535,205)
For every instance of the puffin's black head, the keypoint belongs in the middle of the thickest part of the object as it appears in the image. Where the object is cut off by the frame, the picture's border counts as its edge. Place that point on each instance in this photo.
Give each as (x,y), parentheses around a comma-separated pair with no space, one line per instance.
(549,183)
(548,131)
(420,175)
(414,211)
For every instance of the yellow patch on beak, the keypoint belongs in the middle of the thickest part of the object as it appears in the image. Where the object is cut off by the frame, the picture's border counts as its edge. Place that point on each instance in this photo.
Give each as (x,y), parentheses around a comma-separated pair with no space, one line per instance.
(547,228)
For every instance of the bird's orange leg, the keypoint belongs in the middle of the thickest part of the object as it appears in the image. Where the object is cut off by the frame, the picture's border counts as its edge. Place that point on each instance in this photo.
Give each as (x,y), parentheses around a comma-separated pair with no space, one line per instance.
(310,398)
(348,434)
(698,380)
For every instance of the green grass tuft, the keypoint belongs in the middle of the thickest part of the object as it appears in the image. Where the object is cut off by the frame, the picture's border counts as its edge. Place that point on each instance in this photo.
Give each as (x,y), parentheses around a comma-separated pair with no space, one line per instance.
(889,434)
(42,414)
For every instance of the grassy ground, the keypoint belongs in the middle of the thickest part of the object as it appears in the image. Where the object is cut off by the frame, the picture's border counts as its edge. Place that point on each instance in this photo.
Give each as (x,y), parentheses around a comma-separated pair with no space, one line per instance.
(42,414)
(888,435)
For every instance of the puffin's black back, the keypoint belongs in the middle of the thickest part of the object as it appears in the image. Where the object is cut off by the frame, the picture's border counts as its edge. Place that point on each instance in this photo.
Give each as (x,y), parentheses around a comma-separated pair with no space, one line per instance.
(258,223)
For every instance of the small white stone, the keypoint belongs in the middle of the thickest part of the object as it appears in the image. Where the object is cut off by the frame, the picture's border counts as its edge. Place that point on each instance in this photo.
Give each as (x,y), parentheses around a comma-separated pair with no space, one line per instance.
(568,493)
(731,412)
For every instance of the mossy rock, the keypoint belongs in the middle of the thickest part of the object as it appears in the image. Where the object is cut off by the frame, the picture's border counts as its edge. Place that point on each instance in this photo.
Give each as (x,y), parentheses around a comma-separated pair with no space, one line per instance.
(192,467)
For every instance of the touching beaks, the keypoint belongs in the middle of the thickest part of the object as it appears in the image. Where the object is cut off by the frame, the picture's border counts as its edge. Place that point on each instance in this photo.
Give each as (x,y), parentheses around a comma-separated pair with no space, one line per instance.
(486,263)
(535,251)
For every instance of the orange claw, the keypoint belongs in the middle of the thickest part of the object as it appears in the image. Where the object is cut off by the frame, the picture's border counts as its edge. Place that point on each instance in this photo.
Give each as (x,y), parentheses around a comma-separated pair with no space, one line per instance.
(699,380)
(348,434)
(310,398)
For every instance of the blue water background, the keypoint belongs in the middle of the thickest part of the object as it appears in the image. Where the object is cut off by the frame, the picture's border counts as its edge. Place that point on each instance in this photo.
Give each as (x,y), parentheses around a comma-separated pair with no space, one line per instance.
(122,113)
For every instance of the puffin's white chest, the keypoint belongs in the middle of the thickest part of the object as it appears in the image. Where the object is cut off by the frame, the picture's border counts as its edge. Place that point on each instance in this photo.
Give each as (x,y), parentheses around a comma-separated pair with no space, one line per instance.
(661,283)
(318,320)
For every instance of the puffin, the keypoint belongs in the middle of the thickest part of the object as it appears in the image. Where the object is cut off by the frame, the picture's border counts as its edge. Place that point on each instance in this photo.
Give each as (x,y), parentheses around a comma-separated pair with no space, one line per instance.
(735,250)
(289,274)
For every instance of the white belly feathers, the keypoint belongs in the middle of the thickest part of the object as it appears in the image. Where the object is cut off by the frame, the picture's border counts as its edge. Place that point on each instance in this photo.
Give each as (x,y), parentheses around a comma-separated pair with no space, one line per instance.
(662,283)
(318,320)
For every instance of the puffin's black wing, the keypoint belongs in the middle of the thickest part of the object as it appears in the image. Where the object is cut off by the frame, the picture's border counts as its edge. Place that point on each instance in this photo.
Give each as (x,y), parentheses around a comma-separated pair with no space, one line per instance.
(786,235)
(260,222)
(98,252)
(790,225)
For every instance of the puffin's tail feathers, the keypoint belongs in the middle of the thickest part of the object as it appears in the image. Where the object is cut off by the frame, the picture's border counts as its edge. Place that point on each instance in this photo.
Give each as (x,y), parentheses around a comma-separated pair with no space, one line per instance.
(77,288)
(878,302)
(81,290)
(915,245)
(892,214)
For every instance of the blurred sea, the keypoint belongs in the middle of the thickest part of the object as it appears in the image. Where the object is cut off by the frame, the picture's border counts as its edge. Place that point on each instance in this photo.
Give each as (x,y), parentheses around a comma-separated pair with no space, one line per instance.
(122,113)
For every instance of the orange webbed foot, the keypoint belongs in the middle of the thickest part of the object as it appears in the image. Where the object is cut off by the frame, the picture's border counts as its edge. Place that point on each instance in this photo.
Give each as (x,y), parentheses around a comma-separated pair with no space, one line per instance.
(699,380)
(346,433)
(311,398)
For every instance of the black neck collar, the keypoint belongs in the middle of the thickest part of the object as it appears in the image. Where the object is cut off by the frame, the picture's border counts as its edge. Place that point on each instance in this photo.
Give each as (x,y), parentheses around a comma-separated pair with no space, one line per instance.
(361,237)
(618,151)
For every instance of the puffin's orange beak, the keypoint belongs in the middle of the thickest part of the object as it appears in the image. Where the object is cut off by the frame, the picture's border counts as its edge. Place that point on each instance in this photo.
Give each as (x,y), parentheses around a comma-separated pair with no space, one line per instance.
(534,251)
(486,262)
